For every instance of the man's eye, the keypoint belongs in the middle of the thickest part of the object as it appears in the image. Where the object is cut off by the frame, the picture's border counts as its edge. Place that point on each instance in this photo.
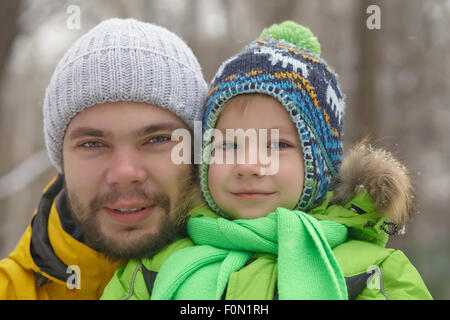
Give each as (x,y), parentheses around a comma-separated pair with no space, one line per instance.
(278,145)
(158,139)
(92,144)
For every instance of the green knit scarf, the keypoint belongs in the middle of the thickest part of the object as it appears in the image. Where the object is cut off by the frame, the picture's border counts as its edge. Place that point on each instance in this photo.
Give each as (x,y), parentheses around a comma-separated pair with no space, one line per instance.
(307,268)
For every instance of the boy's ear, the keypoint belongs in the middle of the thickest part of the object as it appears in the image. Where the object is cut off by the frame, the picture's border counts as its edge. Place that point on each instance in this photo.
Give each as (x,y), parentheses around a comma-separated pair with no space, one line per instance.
(386,180)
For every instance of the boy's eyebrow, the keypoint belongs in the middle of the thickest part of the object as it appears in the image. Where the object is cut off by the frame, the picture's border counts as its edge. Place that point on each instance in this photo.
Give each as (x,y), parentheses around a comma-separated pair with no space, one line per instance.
(280,129)
(93,132)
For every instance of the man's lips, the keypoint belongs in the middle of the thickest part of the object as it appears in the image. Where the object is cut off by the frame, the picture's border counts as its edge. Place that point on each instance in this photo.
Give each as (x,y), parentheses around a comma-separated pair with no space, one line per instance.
(129,212)
(129,204)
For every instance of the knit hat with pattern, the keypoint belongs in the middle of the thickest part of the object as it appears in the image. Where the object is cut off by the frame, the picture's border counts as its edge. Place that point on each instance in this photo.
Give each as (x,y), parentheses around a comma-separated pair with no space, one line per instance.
(122,60)
(285,64)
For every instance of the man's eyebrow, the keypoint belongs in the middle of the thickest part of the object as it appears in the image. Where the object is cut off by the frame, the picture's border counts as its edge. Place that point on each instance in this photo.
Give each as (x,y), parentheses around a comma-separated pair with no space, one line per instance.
(87,132)
(169,126)
(92,132)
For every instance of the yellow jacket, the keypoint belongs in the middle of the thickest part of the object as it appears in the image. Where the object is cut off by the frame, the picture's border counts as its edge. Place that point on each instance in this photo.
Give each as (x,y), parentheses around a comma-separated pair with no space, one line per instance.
(38,268)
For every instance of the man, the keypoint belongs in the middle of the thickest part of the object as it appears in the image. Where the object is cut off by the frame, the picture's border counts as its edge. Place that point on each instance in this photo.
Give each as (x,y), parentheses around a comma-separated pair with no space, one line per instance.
(109,111)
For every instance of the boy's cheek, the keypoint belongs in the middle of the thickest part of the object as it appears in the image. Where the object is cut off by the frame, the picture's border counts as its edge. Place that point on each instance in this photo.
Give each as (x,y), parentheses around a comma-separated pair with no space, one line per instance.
(216,175)
(291,188)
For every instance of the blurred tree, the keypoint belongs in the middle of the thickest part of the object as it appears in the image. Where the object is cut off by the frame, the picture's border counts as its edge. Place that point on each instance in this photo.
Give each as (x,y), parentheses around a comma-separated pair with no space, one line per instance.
(366,115)
(9,29)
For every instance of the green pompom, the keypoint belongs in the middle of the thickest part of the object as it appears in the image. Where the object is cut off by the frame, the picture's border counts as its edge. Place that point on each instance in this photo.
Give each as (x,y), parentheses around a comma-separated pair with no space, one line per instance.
(294,33)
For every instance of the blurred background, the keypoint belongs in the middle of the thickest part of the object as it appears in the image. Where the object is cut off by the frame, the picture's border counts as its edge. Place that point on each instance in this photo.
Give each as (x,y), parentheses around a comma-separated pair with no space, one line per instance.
(393,65)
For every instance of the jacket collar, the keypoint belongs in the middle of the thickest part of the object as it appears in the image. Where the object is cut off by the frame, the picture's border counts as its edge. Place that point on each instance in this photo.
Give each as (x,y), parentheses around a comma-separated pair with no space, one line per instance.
(366,169)
(359,215)
(372,195)
(56,248)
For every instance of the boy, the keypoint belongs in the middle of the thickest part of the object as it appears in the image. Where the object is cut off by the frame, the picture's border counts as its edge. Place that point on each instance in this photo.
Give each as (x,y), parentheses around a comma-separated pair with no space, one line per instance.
(273,249)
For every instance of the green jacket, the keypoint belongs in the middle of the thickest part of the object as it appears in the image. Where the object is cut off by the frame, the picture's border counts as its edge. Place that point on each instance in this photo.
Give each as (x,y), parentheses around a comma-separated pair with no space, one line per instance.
(371,270)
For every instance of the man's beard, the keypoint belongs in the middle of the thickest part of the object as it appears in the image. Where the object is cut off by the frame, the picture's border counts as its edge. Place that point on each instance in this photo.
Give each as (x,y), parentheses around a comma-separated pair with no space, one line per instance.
(172,226)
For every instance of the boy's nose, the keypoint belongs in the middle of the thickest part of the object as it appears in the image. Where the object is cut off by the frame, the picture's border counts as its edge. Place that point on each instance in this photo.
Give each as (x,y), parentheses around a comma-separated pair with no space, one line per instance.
(248,169)
(248,162)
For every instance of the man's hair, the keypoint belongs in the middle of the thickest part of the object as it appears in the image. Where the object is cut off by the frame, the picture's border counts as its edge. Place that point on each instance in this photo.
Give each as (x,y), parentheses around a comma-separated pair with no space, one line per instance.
(143,58)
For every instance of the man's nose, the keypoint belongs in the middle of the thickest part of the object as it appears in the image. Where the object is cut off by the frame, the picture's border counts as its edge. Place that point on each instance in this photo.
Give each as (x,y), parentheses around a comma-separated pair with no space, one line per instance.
(126,168)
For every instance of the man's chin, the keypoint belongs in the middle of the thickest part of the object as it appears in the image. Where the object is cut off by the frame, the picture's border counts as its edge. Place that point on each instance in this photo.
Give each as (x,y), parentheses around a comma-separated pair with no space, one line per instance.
(133,243)
(125,240)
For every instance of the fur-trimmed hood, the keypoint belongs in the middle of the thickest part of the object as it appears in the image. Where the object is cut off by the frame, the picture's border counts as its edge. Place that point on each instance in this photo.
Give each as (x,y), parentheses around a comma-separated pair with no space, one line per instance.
(385,178)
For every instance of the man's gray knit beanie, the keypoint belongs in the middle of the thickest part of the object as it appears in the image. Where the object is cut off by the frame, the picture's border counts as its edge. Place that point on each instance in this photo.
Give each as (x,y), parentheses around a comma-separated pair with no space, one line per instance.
(122,60)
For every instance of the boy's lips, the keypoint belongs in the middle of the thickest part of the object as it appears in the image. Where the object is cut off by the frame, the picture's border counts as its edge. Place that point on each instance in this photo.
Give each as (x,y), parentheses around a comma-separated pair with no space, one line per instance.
(252,194)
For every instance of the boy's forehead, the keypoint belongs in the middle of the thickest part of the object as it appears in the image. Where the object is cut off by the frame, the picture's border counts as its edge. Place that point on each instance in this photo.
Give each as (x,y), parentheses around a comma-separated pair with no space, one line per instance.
(247,99)
(254,110)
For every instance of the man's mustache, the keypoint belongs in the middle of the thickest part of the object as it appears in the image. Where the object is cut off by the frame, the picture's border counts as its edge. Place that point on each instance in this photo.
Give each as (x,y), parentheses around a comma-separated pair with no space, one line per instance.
(157,198)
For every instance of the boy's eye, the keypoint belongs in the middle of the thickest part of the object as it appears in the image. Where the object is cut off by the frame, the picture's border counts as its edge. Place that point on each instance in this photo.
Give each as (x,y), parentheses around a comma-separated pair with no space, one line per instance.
(278,145)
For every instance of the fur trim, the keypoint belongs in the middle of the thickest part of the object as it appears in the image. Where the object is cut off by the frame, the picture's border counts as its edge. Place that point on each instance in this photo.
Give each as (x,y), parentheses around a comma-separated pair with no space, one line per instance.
(384,177)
